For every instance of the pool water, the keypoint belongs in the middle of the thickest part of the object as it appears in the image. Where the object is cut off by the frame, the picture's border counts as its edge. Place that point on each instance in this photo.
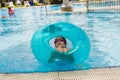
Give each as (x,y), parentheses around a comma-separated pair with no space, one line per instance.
(103,30)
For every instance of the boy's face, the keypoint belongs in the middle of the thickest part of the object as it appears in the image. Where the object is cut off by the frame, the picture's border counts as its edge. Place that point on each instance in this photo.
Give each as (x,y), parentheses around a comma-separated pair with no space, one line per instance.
(60,43)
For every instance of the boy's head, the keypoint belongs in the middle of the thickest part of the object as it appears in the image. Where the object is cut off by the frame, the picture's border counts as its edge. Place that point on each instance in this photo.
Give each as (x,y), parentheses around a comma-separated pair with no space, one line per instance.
(60,41)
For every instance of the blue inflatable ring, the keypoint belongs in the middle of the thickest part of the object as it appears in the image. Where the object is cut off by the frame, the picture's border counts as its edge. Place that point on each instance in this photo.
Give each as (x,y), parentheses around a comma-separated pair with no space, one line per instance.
(41,38)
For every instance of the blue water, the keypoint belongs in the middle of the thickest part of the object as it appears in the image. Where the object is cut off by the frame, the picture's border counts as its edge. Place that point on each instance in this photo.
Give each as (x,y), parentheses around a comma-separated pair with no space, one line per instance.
(103,29)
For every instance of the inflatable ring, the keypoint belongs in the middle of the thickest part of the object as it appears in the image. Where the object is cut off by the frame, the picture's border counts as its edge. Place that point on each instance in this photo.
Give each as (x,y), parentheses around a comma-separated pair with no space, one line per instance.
(41,47)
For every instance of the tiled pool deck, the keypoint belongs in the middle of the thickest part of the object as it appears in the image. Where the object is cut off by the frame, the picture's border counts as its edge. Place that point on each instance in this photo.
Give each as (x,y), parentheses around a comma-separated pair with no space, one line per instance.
(92,74)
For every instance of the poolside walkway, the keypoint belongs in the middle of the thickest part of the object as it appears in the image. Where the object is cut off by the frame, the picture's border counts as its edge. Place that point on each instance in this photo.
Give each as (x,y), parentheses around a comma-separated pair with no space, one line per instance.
(92,74)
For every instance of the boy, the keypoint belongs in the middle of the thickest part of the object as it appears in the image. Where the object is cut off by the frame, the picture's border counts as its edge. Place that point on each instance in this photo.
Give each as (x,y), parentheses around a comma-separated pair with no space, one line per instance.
(60,44)
(61,51)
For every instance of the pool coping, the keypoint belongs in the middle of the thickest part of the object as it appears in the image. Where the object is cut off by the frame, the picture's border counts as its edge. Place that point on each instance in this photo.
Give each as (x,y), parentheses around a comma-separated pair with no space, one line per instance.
(92,74)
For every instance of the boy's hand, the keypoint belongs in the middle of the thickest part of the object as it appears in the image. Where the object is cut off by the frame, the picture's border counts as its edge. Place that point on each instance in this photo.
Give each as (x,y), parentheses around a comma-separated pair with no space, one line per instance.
(62,49)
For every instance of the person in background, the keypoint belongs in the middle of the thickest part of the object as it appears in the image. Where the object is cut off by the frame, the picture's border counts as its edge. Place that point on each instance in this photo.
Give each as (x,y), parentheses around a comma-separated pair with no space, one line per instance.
(10,11)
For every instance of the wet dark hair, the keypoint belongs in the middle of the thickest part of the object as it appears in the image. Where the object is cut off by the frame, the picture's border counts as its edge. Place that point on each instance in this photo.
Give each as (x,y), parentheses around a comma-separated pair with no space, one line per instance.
(60,38)
(9,7)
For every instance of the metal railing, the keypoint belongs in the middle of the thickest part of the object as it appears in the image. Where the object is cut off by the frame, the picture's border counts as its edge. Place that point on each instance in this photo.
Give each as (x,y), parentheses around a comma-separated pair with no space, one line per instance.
(103,5)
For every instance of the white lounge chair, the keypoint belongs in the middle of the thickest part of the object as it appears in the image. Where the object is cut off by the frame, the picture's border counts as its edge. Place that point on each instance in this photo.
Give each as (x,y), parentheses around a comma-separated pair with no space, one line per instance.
(26,4)
(11,4)
(18,2)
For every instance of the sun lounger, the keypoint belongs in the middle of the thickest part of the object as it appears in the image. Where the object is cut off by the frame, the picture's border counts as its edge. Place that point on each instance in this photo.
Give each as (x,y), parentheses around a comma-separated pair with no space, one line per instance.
(26,4)
(18,2)
(11,4)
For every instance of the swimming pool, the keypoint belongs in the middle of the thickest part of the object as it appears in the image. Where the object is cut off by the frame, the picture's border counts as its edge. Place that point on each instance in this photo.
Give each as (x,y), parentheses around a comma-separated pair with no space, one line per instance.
(103,29)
